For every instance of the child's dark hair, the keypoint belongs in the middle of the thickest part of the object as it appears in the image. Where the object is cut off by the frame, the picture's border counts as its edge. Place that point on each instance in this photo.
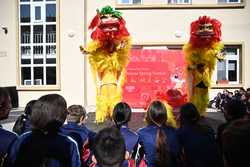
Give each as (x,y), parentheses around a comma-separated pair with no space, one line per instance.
(28,108)
(109,147)
(48,113)
(121,114)
(75,112)
(235,109)
(189,116)
(157,115)
(5,103)
(19,126)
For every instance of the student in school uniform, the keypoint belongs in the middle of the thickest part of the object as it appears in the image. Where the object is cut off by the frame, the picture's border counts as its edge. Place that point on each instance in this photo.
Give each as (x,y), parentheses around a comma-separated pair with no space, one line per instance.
(197,139)
(45,145)
(109,149)
(158,142)
(22,123)
(6,137)
(121,117)
(75,127)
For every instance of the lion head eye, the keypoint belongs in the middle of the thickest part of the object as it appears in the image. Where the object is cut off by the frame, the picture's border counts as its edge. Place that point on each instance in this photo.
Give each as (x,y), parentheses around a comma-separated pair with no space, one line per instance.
(209,27)
(201,27)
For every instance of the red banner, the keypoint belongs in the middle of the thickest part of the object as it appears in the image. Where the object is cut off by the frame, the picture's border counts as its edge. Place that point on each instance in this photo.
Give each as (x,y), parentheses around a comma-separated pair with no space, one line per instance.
(152,71)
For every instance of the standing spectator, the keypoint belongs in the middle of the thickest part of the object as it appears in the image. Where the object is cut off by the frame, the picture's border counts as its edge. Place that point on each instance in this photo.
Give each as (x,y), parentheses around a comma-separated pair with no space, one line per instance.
(243,98)
(236,94)
(6,137)
(242,91)
(121,117)
(236,145)
(109,148)
(218,101)
(22,123)
(197,139)
(248,91)
(248,104)
(159,142)
(44,145)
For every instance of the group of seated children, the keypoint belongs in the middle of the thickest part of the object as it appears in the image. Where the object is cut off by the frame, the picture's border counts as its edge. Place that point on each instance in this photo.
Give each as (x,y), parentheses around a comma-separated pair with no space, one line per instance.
(52,135)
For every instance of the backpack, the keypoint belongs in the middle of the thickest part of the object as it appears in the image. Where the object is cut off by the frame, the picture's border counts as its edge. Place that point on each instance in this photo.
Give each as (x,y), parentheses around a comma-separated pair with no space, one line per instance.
(19,125)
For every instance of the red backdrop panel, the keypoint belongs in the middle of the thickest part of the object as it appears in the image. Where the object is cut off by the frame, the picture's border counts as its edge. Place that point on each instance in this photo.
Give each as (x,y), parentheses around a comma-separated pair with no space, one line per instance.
(150,71)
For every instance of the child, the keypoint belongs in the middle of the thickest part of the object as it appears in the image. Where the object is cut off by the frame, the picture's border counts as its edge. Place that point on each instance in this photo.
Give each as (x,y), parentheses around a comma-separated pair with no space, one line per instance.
(22,123)
(234,109)
(121,117)
(6,137)
(44,145)
(197,139)
(109,148)
(236,146)
(159,142)
(77,130)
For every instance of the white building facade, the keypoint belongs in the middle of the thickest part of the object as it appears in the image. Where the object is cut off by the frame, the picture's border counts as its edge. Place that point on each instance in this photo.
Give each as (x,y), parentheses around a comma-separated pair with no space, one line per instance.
(40,52)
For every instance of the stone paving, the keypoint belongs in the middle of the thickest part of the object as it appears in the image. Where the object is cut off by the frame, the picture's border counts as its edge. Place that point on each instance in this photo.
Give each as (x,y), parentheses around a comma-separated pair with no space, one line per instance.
(137,121)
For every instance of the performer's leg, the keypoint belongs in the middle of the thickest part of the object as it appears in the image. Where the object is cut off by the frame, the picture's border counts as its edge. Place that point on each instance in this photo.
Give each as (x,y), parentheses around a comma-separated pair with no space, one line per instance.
(101,108)
(200,99)
(110,96)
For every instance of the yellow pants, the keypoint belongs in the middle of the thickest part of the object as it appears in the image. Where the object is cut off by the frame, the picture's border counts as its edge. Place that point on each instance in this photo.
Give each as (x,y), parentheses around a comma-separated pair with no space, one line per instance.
(108,95)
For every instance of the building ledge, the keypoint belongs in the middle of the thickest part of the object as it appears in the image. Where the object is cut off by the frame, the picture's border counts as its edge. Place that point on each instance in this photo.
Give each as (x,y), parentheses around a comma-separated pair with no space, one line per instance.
(181,6)
(226,86)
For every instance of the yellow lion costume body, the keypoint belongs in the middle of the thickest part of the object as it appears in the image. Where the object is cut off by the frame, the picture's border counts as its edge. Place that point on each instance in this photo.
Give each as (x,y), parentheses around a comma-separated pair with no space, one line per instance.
(201,55)
(108,55)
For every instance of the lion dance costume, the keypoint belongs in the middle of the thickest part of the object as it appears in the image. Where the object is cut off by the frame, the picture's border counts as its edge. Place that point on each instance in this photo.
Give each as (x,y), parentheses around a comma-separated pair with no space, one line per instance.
(108,57)
(201,54)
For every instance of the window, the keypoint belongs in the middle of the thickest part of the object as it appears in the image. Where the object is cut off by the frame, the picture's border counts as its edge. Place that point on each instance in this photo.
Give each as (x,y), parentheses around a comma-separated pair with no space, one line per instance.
(50,12)
(38,60)
(129,1)
(37,13)
(179,1)
(229,1)
(228,71)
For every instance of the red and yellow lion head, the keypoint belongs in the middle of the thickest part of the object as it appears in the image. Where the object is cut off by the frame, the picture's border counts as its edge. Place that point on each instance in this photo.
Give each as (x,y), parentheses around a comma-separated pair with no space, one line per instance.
(204,32)
(108,26)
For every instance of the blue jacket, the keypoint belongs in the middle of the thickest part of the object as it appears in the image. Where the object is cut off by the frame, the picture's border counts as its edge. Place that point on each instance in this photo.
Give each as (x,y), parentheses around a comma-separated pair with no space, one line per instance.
(82,130)
(201,149)
(147,140)
(131,140)
(7,138)
(71,127)
(32,148)
(27,126)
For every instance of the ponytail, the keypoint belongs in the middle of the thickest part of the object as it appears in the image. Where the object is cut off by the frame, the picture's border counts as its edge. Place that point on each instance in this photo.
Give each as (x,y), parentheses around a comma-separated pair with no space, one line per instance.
(157,115)
(118,125)
(162,150)
(121,114)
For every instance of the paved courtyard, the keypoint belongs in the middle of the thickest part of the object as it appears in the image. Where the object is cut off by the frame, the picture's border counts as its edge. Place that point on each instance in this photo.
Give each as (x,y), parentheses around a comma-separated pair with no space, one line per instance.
(137,121)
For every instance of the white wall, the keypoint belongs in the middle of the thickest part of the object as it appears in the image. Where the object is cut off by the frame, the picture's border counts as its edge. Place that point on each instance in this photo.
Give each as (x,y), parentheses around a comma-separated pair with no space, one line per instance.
(156,25)
(8,48)
(72,61)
